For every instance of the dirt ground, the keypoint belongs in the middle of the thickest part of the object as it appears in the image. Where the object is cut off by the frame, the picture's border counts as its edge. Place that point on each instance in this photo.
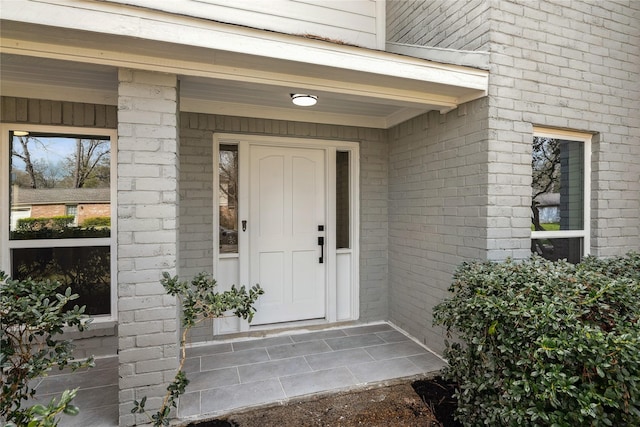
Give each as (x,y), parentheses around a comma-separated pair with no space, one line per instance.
(391,405)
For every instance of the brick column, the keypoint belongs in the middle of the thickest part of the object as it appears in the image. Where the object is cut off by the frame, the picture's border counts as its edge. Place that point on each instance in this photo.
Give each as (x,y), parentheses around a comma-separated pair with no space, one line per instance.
(147,236)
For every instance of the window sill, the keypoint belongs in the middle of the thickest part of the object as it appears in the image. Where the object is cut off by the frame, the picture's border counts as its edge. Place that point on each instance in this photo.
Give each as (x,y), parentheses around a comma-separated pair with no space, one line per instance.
(99,327)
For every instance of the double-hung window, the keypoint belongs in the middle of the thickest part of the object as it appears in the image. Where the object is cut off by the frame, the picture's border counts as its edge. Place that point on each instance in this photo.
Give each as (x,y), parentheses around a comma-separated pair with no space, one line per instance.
(561,168)
(57,191)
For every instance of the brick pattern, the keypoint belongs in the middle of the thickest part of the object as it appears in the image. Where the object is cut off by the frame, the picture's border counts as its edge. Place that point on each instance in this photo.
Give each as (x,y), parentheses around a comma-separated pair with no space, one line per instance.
(85,211)
(148,169)
(574,65)
(437,210)
(196,204)
(439,23)
(569,65)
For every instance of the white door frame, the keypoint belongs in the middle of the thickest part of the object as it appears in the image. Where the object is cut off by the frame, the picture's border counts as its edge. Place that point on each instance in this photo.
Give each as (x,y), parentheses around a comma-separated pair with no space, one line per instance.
(330,147)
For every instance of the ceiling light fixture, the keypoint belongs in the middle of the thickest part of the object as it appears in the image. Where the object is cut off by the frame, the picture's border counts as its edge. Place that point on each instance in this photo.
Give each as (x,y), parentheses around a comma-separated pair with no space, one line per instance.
(20,133)
(303,100)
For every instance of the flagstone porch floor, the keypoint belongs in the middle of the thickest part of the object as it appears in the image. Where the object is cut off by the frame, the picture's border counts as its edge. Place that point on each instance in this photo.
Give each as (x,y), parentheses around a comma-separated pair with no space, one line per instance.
(244,373)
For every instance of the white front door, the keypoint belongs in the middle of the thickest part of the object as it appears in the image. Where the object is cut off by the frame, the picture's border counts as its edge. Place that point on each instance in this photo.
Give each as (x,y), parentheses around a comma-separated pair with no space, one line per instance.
(287,208)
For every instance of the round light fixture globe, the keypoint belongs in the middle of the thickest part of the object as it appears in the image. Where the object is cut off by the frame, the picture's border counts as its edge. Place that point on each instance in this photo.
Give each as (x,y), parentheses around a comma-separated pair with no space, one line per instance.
(303,100)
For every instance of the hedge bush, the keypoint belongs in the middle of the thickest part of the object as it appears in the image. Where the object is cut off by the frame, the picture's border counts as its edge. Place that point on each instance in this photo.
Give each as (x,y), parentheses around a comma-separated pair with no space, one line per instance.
(97,221)
(545,343)
(40,223)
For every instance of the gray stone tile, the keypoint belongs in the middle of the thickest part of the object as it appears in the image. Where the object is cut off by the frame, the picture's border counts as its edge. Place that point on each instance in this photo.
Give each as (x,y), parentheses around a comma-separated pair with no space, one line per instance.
(261,343)
(259,371)
(240,396)
(354,341)
(393,350)
(191,364)
(207,350)
(213,379)
(235,358)
(189,404)
(368,329)
(338,358)
(89,379)
(428,362)
(86,399)
(106,416)
(381,370)
(392,336)
(317,381)
(320,335)
(97,397)
(273,369)
(298,349)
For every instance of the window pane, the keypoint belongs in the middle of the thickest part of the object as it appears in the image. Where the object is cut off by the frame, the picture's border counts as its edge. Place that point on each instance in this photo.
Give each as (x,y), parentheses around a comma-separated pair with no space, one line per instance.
(557,185)
(556,249)
(342,200)
(60,186)
(87,270)
(228,170)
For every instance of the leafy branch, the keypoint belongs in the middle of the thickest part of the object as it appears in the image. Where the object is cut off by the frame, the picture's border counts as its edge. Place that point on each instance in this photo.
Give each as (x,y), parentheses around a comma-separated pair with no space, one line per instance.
(32,314)
(199,302)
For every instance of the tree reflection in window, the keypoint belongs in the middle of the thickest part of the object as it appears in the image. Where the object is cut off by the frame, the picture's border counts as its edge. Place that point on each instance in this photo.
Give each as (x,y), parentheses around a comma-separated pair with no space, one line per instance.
(60,188)
(228,203)
(50,172)
(557,202)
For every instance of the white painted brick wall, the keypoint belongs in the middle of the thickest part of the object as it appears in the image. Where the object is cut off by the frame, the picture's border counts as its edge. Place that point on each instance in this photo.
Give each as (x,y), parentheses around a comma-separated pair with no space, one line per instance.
(196,205)
(439,23)
(574,65)
(147,166)
(437,216)
(579,70)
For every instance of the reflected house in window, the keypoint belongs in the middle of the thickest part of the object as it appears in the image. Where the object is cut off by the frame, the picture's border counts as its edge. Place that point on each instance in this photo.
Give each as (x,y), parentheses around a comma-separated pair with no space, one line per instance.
(53,202)
(548,205)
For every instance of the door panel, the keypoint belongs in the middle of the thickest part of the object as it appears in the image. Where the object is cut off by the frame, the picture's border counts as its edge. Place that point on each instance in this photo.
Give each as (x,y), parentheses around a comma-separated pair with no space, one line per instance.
(287,197)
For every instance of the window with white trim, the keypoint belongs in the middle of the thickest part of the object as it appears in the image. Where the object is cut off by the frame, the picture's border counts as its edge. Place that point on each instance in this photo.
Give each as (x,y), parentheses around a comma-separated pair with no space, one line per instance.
(57,186)
(561,165)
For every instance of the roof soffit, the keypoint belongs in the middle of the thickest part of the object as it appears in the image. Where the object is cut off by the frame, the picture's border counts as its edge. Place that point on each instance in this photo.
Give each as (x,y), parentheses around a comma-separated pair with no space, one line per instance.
(248,57)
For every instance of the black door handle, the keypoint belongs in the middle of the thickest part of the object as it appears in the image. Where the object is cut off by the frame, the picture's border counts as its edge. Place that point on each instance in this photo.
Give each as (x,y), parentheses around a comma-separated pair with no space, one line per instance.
(321,244)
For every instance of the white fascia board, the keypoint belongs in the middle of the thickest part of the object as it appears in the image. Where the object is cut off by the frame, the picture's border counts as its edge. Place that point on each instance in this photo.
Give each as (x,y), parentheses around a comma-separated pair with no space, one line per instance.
(107,18)
(203,69)
(466,58)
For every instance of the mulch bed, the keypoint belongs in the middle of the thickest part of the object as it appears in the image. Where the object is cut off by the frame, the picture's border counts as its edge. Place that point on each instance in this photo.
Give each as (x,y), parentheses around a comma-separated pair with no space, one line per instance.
(438,395)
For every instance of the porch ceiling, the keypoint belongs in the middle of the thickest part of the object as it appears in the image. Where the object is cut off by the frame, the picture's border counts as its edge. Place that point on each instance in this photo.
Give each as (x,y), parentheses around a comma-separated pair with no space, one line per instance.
(355,86)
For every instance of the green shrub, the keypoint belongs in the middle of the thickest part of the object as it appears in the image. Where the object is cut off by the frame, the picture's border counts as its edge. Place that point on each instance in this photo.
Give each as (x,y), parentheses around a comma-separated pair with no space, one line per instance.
(97,221)
(32,316)
(545,343)
(41,223)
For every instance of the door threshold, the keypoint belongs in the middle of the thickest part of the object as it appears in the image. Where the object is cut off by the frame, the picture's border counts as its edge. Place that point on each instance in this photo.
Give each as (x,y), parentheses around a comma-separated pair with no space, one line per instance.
(288,328)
